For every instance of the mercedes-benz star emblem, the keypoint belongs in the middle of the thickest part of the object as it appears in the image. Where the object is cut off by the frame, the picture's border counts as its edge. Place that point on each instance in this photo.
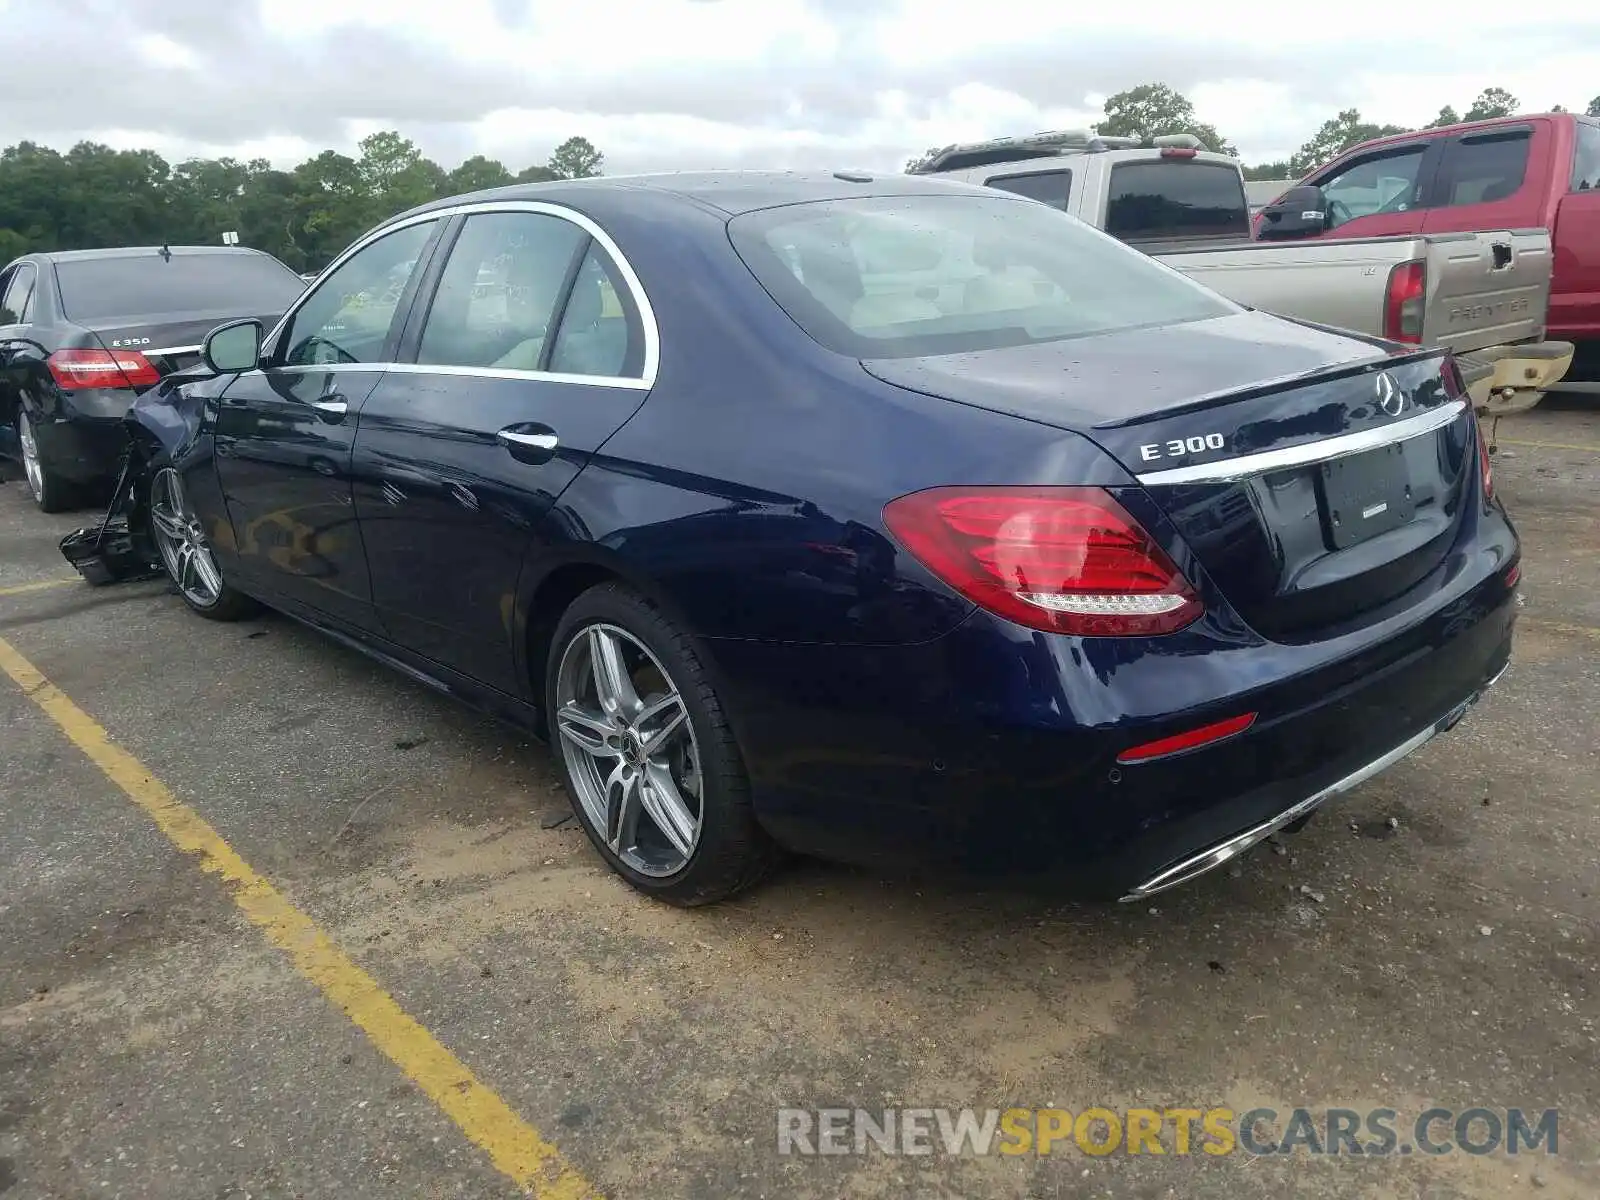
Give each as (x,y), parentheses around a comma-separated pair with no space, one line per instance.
(1390,398)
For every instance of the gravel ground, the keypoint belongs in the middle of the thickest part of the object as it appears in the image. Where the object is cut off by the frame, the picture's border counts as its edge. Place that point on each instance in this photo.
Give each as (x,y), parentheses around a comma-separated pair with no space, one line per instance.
(1430,939)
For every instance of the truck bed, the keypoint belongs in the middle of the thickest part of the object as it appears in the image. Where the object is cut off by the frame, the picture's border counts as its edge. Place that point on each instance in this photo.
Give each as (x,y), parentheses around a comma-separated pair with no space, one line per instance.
(1480,289)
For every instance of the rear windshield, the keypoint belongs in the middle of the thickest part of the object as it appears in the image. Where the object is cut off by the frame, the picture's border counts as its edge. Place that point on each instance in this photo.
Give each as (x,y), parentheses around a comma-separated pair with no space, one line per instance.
(1176,198)
(246,285)
(906,276)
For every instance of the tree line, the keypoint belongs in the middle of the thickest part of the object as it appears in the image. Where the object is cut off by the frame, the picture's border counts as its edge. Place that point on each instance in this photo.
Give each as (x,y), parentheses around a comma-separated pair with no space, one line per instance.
(1155,108)
(95,196)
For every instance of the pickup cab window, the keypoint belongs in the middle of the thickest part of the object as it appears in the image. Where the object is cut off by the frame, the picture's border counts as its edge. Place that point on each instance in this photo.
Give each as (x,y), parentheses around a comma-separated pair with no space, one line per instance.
(1485,167)
(1172,199)
(1050,187)
(1586,158)
(1385,182)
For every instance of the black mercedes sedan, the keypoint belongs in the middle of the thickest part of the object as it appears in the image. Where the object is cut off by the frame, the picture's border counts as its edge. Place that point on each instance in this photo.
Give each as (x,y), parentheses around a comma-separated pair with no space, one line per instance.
(82,332)
(888,519)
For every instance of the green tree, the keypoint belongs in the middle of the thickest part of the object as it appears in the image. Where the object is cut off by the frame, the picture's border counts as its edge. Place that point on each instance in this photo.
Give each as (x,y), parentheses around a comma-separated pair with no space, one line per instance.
(536,174)
(1558,108)
(1336,136)
(478,173)
(576,158)
(1492,102)
(1269,170)
(92,195)
(1447,116)
(1152,109)
(1594,107)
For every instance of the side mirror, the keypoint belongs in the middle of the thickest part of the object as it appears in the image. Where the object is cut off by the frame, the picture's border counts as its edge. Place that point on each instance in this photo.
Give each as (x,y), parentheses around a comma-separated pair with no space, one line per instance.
(233,347)
(1301,212)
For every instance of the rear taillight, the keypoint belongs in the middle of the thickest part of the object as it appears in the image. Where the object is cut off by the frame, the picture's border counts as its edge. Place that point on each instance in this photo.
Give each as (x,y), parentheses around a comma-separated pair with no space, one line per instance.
(1483,463)
(1062,559)
(1403,302)
(75,370)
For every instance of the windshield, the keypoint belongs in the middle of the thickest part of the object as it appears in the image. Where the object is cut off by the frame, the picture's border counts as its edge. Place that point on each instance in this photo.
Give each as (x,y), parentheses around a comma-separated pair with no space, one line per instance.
(905,276)
(149,285)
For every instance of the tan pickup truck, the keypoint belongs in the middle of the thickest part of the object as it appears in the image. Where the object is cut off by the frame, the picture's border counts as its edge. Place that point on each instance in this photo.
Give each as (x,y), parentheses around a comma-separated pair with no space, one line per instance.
(1484,295)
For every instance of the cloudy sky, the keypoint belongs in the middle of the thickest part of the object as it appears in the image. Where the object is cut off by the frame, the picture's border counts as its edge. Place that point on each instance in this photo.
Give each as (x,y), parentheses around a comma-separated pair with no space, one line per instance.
(660,84)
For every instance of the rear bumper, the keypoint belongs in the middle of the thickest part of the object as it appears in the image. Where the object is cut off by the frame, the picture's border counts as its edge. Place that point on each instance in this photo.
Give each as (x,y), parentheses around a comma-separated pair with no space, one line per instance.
(988,752)
(84,443)
(1229,848)
(1510,379)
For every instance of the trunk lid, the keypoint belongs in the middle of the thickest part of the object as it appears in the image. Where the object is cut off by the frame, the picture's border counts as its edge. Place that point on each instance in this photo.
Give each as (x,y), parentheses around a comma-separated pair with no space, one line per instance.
(171,341)
(1317,477)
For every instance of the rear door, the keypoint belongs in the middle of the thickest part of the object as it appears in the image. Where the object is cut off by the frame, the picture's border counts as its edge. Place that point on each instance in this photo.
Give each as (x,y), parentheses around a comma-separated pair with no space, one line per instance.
(283,434)
(20,357)
(1381,193)
(1496,178)
(536,346)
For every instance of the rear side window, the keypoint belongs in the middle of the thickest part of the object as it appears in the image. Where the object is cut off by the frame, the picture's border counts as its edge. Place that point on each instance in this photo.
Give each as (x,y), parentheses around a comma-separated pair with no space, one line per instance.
(223,285)
(906,276)
(1051,187)
(1484,168)
(1175,199)
(1586,158)
(498,294)
(16,304)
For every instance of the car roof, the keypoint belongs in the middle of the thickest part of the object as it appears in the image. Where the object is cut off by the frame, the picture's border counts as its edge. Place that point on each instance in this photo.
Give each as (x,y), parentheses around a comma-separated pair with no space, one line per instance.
(729,192)
(60,256)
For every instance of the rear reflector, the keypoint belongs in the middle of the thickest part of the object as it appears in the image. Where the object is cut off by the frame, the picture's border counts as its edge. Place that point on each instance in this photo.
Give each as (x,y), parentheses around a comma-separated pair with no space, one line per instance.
(1062,559)
(75,370)
(1403,302)
(1513,573)
(1188,740)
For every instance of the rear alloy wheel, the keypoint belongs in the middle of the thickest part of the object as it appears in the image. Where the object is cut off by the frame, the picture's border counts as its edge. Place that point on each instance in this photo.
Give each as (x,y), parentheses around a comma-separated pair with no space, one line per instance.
(49,492)
(649,760)
(186,554)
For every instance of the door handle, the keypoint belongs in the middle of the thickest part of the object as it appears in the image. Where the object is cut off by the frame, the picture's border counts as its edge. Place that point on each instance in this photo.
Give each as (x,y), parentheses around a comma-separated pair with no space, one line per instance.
(332,407)
(529,443)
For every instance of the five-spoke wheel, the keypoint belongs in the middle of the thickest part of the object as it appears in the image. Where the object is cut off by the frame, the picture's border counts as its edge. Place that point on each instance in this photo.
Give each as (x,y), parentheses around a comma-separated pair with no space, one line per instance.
(648,754)
(630,749)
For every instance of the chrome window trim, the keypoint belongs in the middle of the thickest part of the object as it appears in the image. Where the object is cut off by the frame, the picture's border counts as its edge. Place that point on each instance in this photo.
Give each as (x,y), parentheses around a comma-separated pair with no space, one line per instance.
(647,315)
(1233,469)
(170,349)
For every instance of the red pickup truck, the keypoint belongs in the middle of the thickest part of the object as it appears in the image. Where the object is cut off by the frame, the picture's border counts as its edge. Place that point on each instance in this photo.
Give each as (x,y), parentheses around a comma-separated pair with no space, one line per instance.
(1510,173)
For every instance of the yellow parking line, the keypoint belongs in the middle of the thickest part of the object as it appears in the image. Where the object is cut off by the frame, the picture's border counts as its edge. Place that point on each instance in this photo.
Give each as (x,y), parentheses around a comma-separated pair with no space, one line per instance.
(17,589)
(1547,445)
(513,1145)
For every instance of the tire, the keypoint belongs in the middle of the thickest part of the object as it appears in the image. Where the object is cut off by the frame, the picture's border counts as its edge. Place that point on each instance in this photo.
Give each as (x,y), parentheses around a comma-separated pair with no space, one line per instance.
(186,553)
(730,851)
(50,492)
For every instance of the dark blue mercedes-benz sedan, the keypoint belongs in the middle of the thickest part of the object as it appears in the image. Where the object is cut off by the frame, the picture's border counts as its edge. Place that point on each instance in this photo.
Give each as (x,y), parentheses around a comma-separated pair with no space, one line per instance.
(887,519)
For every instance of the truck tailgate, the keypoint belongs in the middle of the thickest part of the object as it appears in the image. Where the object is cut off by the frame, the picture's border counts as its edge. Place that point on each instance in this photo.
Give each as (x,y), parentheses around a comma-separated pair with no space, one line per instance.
(1486,289)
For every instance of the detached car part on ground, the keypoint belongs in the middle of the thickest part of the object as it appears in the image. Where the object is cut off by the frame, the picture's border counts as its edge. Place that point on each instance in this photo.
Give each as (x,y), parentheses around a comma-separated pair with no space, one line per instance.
(1483,295)
(839,514)
(83,332)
